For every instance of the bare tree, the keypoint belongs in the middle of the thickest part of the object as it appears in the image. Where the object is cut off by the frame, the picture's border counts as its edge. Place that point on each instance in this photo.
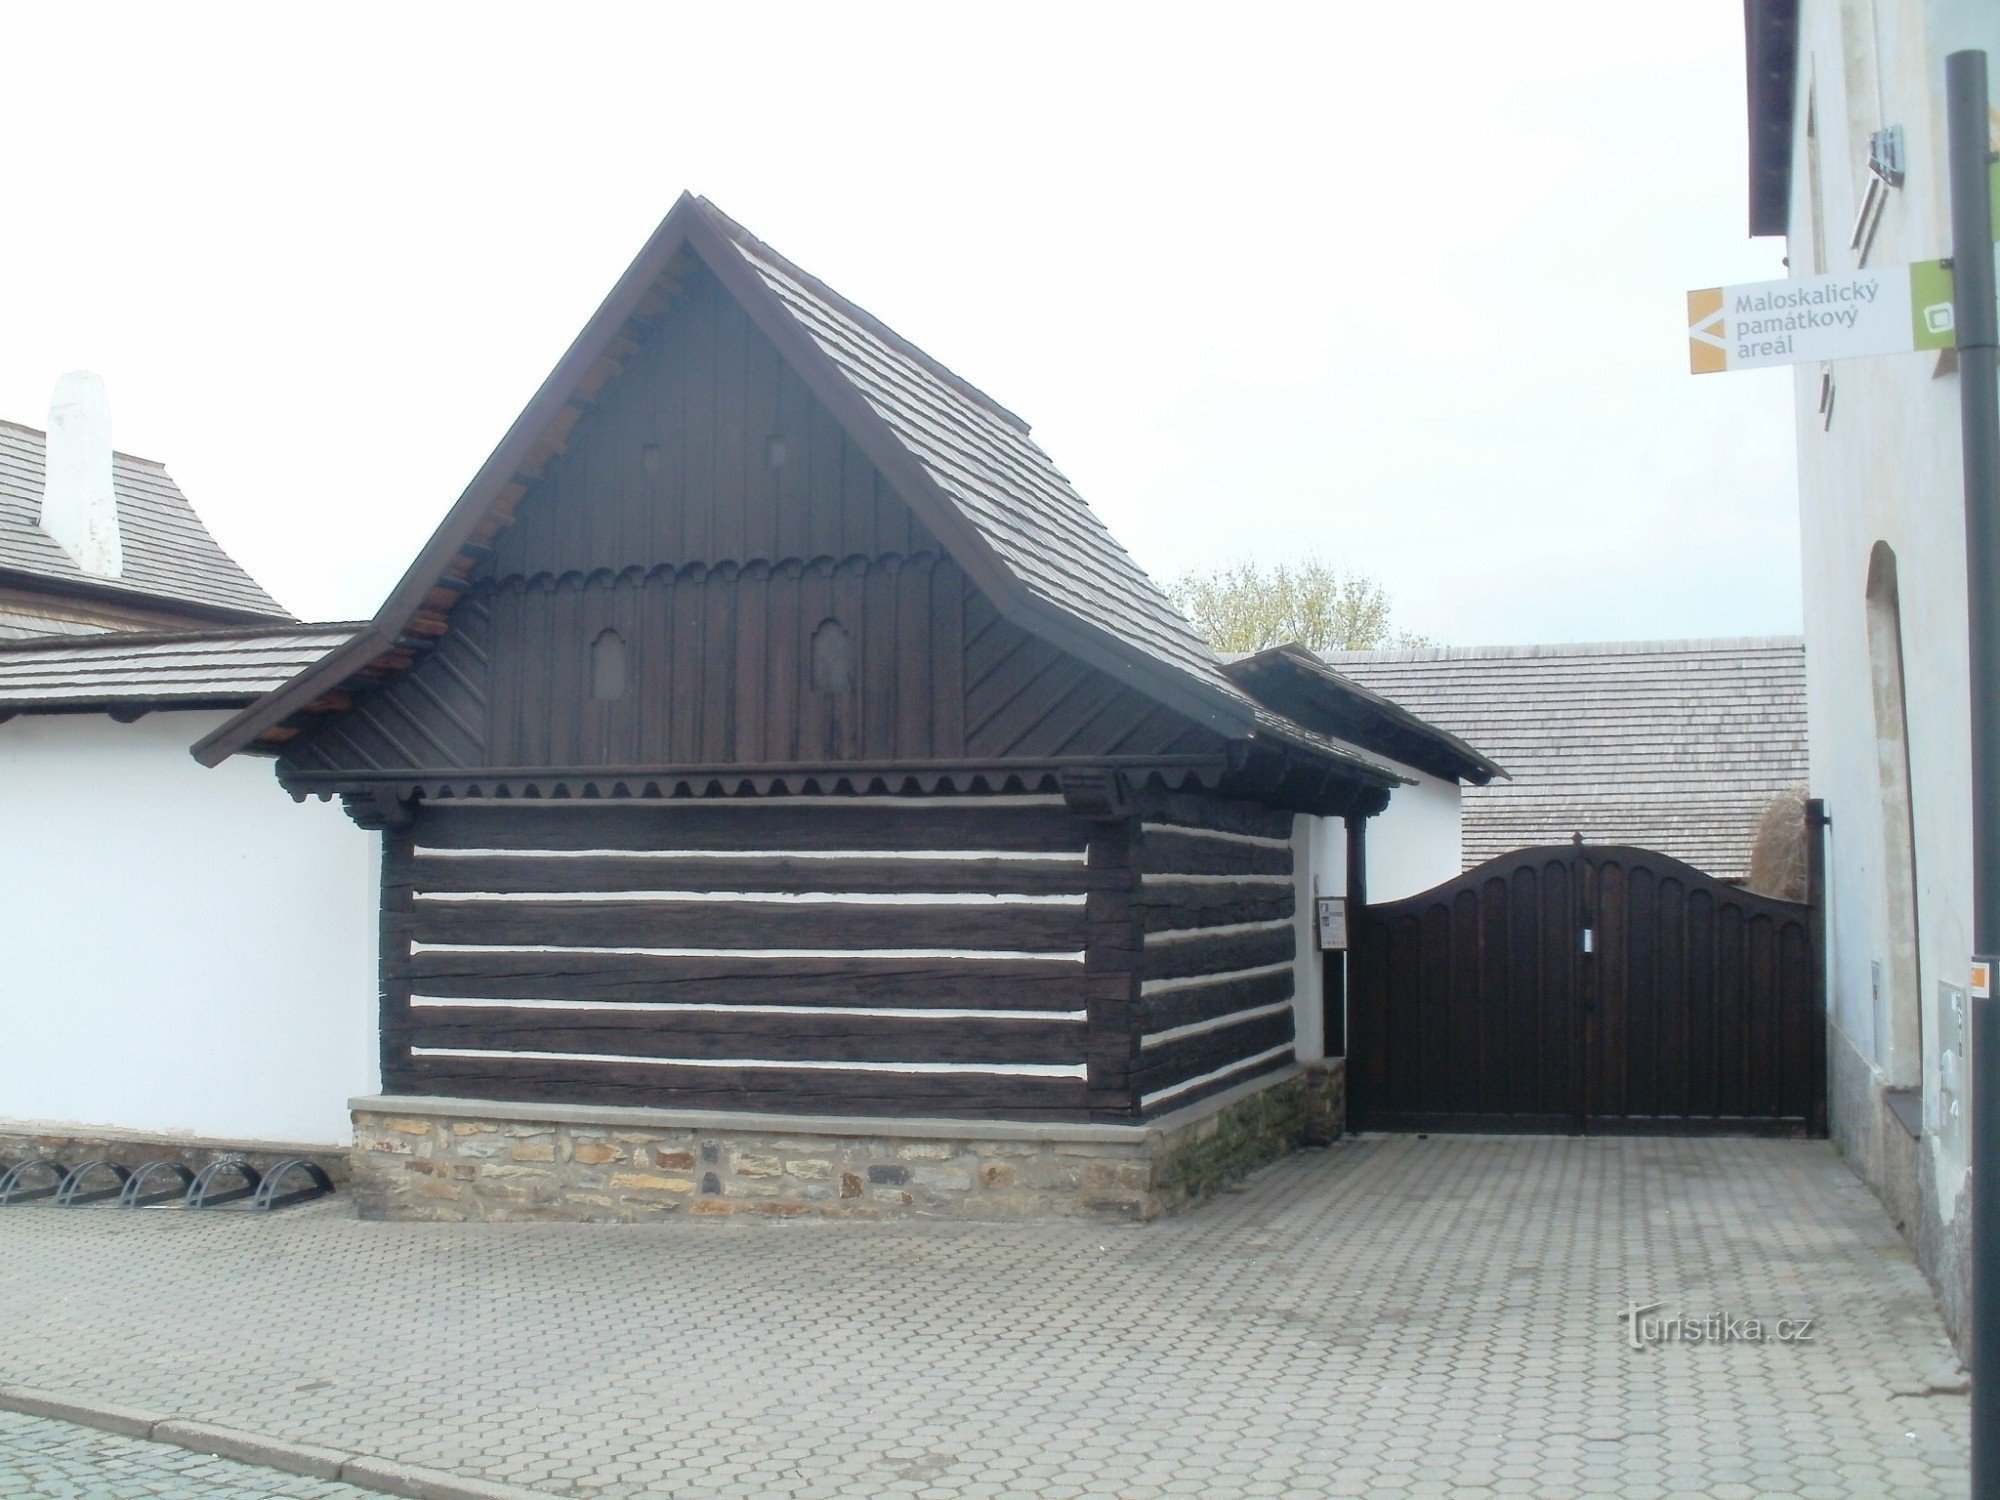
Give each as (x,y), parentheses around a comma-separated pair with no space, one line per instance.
(1247,607)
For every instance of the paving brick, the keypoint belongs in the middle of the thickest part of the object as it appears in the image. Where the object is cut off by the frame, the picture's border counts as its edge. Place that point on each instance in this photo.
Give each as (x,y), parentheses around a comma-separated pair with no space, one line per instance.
(1382,1317)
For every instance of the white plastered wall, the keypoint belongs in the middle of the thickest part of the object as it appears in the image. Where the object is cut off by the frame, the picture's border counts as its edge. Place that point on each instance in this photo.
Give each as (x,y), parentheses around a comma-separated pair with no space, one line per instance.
(1885,469)
(185,950)
(1414,843)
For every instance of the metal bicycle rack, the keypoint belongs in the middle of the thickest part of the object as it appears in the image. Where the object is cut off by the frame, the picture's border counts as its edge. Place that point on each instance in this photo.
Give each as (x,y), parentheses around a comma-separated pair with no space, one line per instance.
(228,1182)
(73,1192)
(201,1193)
(134,1194)
(317,1184)
(13,1185)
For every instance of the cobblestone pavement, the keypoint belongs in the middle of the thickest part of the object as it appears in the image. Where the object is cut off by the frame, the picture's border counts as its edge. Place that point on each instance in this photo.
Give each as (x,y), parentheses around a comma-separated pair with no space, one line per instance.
(1393,1316)
(55,1461)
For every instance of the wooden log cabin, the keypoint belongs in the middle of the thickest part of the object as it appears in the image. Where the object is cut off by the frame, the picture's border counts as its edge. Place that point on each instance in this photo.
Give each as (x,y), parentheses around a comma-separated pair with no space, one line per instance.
(771,743)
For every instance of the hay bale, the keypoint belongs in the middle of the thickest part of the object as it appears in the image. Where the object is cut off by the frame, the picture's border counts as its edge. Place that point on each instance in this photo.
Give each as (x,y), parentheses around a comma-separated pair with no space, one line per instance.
(1778,863)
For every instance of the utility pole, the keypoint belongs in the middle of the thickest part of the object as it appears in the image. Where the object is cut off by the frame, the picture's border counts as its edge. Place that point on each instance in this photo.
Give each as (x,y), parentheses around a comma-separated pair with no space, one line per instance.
(1974,318)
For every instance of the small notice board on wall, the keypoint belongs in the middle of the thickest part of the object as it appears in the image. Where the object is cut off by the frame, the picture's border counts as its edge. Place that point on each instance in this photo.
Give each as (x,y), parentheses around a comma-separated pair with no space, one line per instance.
(1331,918)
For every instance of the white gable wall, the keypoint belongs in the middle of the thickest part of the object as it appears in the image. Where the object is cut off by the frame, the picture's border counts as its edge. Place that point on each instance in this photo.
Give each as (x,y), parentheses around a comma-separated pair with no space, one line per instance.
(186,950)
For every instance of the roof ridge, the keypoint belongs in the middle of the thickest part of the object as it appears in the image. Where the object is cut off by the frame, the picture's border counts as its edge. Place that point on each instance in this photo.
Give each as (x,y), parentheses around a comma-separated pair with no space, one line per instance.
(746,240)
(1687,646)
(43,434)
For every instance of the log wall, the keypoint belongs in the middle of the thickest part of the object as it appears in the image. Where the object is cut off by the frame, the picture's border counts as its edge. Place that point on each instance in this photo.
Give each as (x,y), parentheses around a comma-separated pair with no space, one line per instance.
(1215,908)
(973,957)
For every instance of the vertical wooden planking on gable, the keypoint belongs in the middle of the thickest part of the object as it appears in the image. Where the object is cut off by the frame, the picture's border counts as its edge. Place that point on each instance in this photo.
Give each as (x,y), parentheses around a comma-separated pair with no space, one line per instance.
(503,677)
(628,618)
(731,438)
(948,590)
(761,475)
(753,598)
(877,668)
(567,655)
(857,533)
(684,724)
(819,713)
(663,473)
(849,608)
(697,494)
(786,671)
(792,521)
(717,680)
(654,629)
(531,664)
(594,466)
(823,515)
(916,689)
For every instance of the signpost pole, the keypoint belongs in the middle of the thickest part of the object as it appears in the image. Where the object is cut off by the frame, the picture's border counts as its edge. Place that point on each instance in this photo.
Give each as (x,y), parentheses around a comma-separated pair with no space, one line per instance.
(1974,318)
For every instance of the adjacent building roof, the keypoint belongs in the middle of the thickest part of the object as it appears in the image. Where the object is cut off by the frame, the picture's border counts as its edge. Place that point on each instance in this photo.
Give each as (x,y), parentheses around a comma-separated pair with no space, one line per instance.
(1296,682)
(139,671)
(1676,746)
(169,557)
(964,464)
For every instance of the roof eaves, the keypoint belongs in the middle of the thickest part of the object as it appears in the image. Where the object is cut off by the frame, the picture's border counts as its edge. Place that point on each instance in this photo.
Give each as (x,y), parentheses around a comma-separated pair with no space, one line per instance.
(142,702)
(1467,763)
(116,642)
(138,596)
(322,677)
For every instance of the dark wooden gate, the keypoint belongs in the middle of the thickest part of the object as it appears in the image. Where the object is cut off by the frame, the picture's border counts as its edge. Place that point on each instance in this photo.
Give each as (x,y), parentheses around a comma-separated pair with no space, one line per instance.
(1587,988)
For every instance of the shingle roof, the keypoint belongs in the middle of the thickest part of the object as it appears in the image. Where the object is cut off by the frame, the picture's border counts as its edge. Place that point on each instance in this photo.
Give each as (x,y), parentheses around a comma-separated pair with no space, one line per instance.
(216,668)
(982,457)
(1671,745)
(170,557)
(962,461)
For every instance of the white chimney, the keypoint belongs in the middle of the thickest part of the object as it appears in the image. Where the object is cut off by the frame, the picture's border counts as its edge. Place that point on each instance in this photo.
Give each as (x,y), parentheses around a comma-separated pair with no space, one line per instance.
(79,508)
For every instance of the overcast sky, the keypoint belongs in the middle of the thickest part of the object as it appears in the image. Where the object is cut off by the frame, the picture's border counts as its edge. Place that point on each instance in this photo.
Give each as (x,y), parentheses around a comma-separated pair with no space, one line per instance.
(1397,285)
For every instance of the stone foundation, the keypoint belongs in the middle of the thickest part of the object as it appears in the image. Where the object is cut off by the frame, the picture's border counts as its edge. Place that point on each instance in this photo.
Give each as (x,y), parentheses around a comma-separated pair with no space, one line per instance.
(74,1144)
(457,1159)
